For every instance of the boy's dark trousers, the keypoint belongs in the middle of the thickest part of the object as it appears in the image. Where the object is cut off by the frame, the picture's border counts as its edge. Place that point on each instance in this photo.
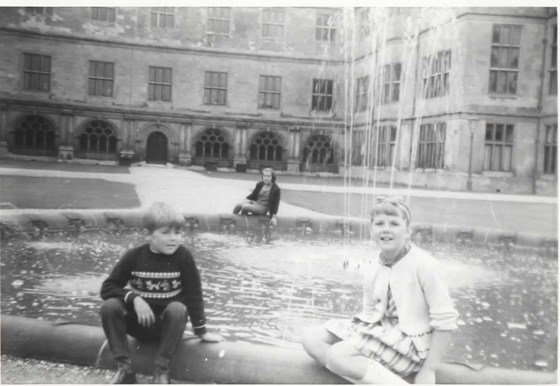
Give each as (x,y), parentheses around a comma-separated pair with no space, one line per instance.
(119,319)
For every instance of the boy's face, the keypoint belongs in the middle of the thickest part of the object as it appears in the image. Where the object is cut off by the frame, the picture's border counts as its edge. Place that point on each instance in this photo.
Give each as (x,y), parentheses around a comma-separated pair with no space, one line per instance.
(390,232)
(267,177)
(165,240)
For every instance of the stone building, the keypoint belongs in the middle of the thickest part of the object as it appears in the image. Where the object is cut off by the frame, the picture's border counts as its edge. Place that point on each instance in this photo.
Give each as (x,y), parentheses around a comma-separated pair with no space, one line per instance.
(459,98)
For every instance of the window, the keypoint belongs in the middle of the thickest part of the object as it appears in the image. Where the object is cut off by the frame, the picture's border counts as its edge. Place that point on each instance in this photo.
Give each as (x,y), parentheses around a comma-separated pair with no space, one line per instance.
(498,147)
(550,149)
(159,84)
(101,77)
(435,74)
(361,93)
(383,152)
(364,24)
(269,92)
(322,95)
(266,147)
(212,144)
(553,85)
(162,17)
(218,20)
(325,29)
(318,150)
(39,10)
(215,88)
(36,72)
(103,14)
(431,146)
(391,83)
(357,143)
(35,133)
(504,60)
(98,137)
(273,23)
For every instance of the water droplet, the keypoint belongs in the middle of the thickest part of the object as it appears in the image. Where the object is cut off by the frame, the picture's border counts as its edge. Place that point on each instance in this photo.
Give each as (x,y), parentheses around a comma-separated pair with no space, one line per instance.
(17,283)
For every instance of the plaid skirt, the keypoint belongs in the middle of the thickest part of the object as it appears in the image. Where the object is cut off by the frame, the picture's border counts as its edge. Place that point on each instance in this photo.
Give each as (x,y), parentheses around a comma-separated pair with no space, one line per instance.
(382,342)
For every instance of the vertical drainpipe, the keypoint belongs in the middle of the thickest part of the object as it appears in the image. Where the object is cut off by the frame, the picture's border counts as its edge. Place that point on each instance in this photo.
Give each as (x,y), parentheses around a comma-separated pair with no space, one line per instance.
(539,112)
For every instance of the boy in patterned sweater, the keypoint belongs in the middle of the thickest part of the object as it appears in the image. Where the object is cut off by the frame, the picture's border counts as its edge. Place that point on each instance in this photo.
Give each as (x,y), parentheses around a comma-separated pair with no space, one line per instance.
(149,292)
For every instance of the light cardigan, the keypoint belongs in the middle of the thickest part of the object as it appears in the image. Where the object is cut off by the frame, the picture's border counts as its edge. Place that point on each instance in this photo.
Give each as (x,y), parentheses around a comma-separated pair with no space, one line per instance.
(420,294)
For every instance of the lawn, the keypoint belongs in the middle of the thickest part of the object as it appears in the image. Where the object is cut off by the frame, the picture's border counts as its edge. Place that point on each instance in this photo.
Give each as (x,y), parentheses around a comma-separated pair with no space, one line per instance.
(66,193)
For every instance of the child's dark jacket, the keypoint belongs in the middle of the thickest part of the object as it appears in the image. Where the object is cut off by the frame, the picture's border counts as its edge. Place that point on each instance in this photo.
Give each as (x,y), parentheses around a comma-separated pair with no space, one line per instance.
(273,199)
(159,279)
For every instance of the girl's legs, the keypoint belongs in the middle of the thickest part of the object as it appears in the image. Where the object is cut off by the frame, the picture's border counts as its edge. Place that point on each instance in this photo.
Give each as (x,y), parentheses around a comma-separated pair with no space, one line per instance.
(317,341)
(346,361)
(253,207)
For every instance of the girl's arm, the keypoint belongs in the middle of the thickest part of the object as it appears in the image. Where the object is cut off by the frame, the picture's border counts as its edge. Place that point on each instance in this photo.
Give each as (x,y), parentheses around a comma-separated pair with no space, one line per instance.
(440,341)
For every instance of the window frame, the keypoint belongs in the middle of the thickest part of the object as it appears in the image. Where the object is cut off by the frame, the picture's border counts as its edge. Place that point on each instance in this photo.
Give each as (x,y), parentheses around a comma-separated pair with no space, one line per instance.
(497,69)
(550,159)
(553,72)
(154,84)
(436,71)
(213,85)
(431,146)
(273,93)
(390,83)
(109,17)
(95,79)
(319,98)
(213,20)
(162,17)
(43,73)
(361,96)
(493,145)
(273,29)
(325,30)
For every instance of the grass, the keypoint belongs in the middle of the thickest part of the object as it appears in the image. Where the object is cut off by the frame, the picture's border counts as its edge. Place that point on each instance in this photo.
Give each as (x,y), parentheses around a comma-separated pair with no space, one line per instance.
(66,193)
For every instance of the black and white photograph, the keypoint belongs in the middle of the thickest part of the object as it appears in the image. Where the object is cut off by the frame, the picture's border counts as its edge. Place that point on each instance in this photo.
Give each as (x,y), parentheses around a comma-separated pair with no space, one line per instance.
(315,192)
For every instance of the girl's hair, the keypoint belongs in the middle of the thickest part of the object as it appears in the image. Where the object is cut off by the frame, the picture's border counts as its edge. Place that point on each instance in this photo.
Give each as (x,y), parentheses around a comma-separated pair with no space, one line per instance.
(391,206)
(162,215)
(272,173)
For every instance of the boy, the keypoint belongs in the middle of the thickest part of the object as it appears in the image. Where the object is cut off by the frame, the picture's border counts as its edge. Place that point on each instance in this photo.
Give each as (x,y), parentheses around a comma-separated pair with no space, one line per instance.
(149,292)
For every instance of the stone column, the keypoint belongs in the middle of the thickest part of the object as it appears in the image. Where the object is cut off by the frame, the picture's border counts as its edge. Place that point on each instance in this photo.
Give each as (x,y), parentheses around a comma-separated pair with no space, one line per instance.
(67,121)
(127,148)
(294,150)
(240,146)
(3,130)
(185,143)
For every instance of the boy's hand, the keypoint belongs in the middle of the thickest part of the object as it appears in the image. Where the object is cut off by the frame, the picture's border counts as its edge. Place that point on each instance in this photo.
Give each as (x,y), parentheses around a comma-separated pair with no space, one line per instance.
(211,338)
(273,221)
(145,314)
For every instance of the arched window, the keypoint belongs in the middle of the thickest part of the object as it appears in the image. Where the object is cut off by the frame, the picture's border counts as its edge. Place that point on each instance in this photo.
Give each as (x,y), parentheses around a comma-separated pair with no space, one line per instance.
(34,133)
(266,147)
(98,137)
(318,151)
(212,144)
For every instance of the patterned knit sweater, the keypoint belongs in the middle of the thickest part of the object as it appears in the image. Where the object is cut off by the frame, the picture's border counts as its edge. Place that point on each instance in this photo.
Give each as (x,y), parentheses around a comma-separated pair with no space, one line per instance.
(159,279)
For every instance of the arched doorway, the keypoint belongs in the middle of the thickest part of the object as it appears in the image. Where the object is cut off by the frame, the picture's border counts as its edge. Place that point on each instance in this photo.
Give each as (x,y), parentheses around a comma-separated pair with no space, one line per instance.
(156,148)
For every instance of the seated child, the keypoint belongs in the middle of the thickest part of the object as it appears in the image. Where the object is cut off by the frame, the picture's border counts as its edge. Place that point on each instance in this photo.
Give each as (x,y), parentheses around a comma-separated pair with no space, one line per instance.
(264,199)
(407,315)
(149,292)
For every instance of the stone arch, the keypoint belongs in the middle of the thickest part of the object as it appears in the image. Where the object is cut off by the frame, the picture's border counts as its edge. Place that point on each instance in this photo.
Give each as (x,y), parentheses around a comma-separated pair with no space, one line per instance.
(34,134)
(319,153)
(97,138)
(267,148)
(154,127)
(213,145)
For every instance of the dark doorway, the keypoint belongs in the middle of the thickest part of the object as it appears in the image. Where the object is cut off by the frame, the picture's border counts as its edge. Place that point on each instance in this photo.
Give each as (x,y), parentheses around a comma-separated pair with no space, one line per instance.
(156,151)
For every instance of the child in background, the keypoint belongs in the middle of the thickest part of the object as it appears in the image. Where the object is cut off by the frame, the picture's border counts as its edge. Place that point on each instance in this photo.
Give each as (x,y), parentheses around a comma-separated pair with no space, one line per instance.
(407,317)
(149,292)
(264,199)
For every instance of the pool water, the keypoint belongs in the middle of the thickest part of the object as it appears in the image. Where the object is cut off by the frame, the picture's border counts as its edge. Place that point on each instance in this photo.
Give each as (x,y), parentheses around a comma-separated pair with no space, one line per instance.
(267,293)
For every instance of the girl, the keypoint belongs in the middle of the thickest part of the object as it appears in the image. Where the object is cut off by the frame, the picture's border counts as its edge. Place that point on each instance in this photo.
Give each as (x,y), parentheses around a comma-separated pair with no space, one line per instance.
(264,199)
(407,315)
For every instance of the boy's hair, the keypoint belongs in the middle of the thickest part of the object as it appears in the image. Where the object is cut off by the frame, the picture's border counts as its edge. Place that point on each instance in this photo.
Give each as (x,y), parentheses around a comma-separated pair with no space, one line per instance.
(162,215)
(272,173)
(391,206)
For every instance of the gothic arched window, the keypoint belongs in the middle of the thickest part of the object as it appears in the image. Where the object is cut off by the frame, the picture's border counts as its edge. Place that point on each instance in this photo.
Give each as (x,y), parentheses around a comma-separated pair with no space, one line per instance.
(98,137)
(266,147)
(212,144)
(35,133)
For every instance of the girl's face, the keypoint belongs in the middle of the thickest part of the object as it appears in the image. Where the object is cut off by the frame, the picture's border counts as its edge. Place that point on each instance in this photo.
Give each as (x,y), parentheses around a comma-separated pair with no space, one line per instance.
(390,233)
(165,240)
(267,177)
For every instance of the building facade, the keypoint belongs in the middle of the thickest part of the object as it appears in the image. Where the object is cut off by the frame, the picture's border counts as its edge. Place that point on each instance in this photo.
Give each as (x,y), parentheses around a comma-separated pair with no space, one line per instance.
(461,98)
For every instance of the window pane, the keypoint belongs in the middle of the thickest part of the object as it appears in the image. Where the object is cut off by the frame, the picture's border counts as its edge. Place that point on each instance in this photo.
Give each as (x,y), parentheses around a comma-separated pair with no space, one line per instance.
(512,83)
(514,58)
(502,81)
(496,34)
